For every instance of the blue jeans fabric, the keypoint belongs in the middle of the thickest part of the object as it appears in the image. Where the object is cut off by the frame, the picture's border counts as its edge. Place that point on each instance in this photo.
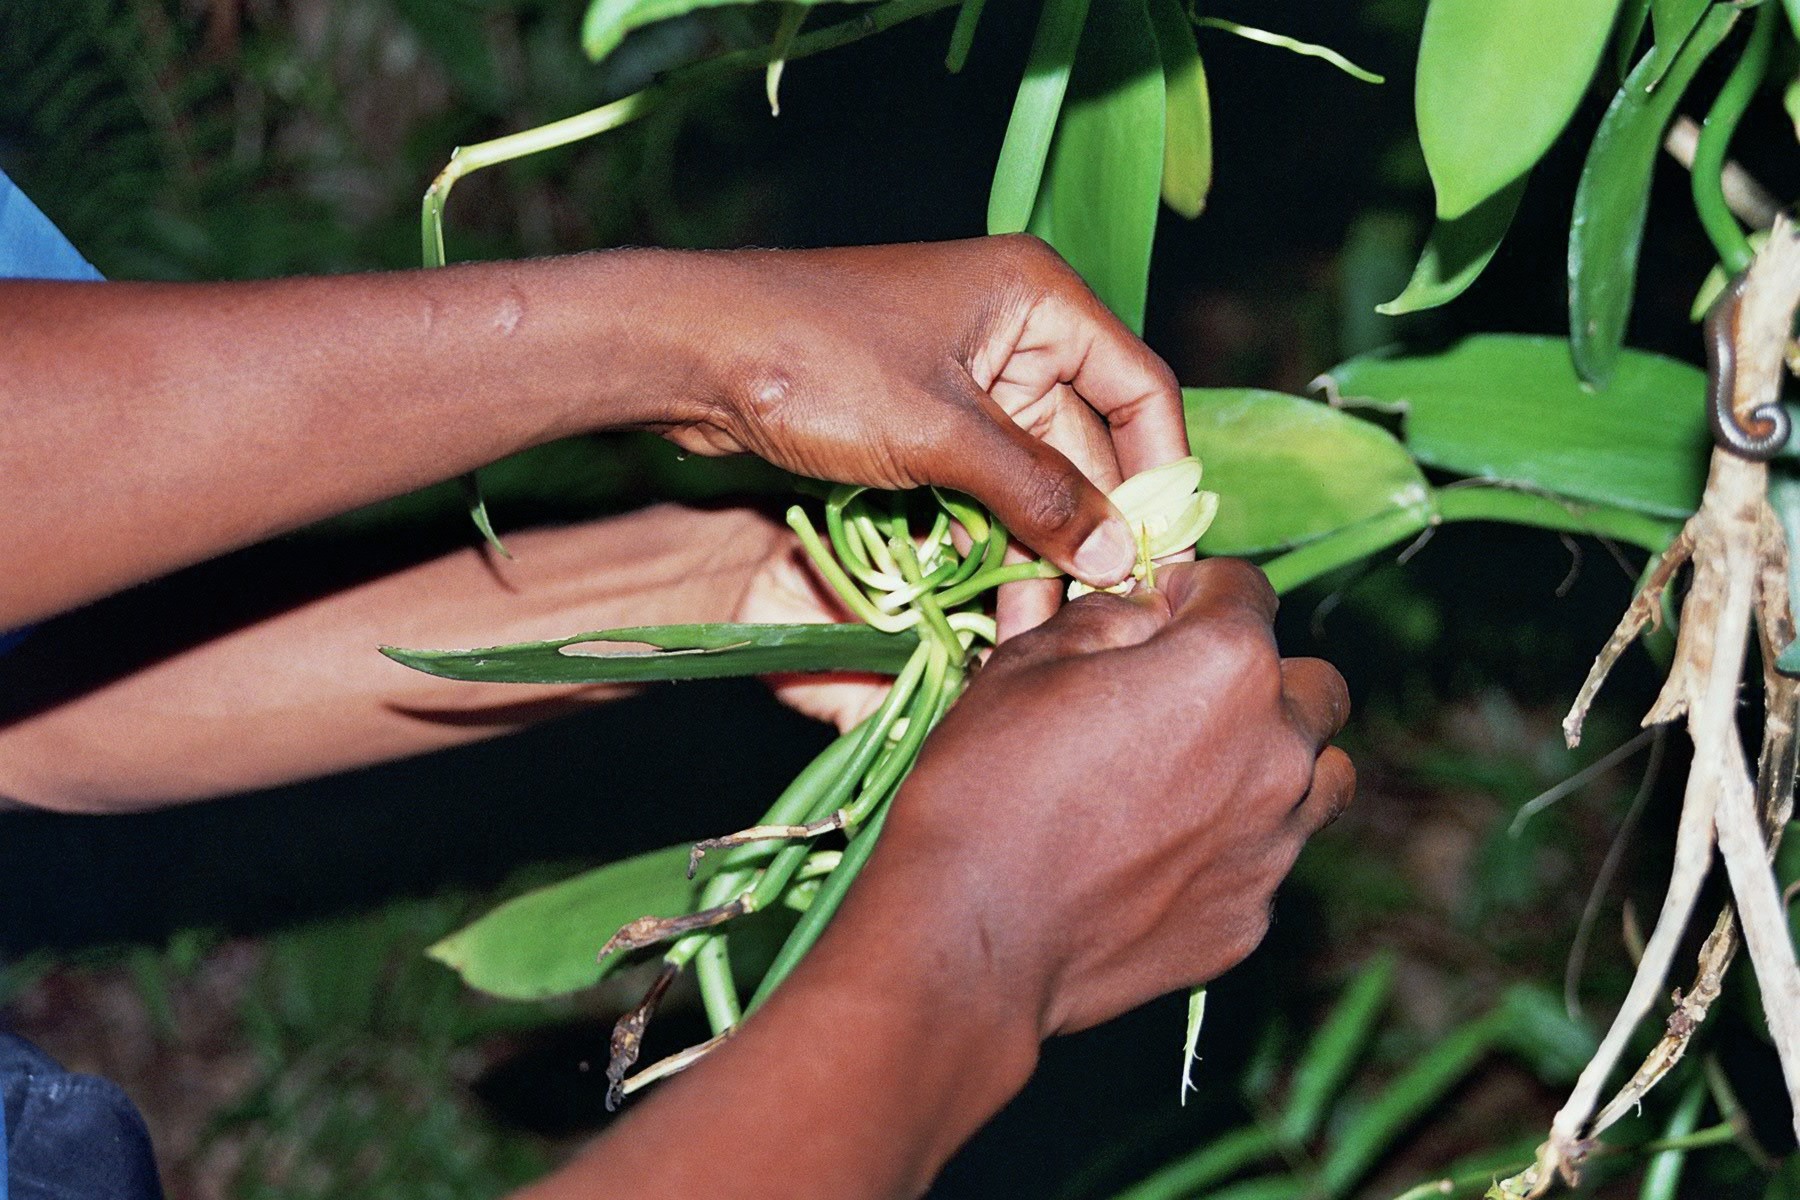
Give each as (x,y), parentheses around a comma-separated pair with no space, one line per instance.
(68,1136)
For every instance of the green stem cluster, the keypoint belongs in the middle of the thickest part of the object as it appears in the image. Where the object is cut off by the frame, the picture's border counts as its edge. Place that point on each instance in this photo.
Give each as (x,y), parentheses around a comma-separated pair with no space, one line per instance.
(869,557)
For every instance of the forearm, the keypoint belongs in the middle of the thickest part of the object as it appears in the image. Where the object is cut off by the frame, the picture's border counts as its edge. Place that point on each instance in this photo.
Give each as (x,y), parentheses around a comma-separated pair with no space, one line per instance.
(304,692)
(149,426)
(863,1074)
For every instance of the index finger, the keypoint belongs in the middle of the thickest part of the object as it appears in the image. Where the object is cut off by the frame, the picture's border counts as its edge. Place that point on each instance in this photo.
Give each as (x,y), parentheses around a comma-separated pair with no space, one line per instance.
(1123,380)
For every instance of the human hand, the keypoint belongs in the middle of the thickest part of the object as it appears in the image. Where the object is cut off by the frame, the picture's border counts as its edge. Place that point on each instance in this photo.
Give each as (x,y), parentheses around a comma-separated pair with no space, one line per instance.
(785,589)
(985,366)
(1106,814)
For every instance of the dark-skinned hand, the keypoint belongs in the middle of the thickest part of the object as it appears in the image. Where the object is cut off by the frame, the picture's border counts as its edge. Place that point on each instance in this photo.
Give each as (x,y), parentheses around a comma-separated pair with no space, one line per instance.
(1113,802)
(985,366)
(1102,818)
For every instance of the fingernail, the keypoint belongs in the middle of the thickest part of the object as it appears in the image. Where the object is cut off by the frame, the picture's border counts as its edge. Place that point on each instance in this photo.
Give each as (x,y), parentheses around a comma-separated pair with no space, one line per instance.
(1107,556)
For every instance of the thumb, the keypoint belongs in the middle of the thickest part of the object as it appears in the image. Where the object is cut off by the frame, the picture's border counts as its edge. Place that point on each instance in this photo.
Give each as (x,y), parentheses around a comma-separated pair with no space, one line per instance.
(1041,497)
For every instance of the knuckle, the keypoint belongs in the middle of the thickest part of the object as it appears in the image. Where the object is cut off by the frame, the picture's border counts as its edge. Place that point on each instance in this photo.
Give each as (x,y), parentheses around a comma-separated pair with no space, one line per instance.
(1290,771)
(1247,931)
(1238,577)
(1046,498)
(1167,386)
(1029,249)
(1250,662)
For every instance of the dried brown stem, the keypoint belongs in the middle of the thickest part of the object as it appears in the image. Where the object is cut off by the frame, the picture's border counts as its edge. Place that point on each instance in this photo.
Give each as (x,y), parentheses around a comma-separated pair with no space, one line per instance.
(628,1035)
(675,1063)
(1740,562)
(1644,612)
(1690,1012)
(764,833)
(649,931)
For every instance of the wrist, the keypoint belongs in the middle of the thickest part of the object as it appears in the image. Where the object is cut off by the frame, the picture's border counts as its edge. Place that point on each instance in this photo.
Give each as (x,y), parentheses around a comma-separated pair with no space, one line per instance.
(634,335)
(927,964)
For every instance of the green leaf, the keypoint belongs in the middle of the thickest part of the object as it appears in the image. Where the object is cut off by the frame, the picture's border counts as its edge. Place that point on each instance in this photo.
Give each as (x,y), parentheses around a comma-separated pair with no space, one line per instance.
(1457,252)
(1487,501)
(1662,1177)
(1020,169)
(1509,407)
(1535,1025)
(1103,182)
(1360,1144)
(679,652)
(608,21)
(1333,1051)
(962,37)
(1633,16)
(1220,1158)
(1288,469)
(1270,1187)
(1187,111)
(1497,81)
(1673,22)
(1613,198)
(544,942)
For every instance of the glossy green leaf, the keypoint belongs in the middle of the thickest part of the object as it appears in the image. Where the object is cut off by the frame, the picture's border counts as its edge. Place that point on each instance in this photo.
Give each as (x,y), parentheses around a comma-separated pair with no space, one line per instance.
(1103,182)
(1493,501)
(676,652)
(1497,81)
(962,36)
(545,942)
(1020,169)
(1613,198)
(1334,1050)
(1187,122)
(608,21)
(1509,407)
(1457,252)
(1672,22)
(1288,470)
(1351,544)
(1633,16)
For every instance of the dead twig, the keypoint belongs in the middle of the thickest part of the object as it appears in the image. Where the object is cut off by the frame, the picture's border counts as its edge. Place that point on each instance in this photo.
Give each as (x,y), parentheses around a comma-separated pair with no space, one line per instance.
(675,1063)
(628,1036)
(649,931)
(764,833)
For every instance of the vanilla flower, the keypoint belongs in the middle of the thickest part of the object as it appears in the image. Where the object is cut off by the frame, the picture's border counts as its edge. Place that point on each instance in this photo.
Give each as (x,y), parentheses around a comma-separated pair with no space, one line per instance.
(1167,513)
